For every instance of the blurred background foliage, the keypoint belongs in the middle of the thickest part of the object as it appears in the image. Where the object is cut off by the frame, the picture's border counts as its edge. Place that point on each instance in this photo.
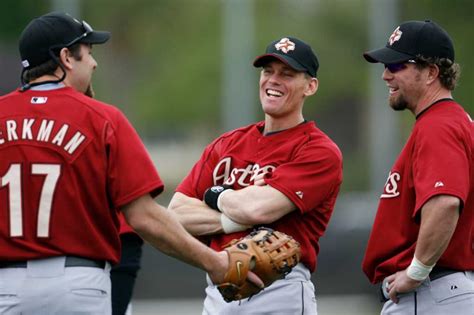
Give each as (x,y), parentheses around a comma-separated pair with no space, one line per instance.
(163,66)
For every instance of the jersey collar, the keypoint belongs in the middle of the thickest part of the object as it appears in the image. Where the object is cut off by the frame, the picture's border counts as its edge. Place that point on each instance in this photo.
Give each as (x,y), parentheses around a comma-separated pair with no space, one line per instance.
(47,87)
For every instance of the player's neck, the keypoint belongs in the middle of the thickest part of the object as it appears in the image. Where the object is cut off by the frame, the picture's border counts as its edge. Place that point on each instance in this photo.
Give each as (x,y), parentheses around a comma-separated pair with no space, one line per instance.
(273,124)
(431,98)
(45,78)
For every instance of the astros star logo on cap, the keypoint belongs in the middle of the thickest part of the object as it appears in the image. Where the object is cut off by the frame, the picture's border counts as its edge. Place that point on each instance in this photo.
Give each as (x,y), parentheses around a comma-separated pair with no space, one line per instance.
(285,45)
(396,35)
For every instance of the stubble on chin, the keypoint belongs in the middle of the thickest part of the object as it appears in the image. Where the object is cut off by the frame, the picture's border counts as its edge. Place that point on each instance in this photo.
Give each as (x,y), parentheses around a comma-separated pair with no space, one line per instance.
(398,103)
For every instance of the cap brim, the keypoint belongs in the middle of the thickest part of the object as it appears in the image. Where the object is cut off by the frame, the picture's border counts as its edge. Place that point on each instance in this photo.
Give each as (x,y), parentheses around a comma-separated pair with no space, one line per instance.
(386,55)
(264,59)
(96,37)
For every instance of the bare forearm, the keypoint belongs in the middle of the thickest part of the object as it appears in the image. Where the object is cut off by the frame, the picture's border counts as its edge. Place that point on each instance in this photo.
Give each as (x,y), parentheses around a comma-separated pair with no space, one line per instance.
(202,222)
(256,205)
(162,230)
(439,217)
(438,223)
(196,217)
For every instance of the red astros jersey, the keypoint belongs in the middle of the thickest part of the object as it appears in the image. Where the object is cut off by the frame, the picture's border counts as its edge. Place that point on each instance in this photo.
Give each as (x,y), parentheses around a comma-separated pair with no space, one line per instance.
(67,163)
(301,162)
(436,160)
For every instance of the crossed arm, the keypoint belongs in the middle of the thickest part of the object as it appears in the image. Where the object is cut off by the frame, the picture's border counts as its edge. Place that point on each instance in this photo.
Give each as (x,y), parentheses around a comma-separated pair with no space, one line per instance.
(439,217)
(256,204)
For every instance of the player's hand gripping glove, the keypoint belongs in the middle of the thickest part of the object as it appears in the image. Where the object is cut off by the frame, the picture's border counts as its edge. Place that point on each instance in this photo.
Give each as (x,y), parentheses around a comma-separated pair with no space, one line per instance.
(269,254)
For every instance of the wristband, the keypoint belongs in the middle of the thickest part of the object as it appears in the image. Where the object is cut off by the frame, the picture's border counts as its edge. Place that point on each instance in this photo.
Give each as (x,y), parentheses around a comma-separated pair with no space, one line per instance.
(418,271)
(229,226)
(211,196)
(220,206)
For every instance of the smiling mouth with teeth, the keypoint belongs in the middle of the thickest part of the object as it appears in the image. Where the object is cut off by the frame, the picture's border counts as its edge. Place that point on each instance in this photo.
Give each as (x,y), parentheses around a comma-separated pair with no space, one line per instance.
(274,93)
(392,90)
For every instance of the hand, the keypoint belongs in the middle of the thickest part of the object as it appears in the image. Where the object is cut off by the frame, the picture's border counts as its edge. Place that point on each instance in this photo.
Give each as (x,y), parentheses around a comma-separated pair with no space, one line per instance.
(217,274)
(259,180)
(400,283)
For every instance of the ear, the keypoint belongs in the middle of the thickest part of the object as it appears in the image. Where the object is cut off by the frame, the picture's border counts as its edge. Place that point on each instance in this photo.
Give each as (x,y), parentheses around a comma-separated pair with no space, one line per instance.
(312,87)
(65,58)
(433,74)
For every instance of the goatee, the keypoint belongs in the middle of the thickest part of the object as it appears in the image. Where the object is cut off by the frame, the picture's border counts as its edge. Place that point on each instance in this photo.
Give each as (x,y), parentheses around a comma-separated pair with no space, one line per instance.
(398,104)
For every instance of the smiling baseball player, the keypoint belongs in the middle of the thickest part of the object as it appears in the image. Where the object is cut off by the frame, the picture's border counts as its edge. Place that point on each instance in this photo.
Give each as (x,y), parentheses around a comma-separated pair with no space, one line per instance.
(421,247)
(283,173)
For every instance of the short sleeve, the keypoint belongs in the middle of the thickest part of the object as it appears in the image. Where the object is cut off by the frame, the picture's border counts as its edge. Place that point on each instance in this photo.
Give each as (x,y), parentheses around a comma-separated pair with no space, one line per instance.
(131,172)
(441,162)
(312,179)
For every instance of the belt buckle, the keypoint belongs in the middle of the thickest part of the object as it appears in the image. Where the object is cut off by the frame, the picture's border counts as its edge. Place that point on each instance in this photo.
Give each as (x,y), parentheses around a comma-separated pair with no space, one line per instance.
(384,297)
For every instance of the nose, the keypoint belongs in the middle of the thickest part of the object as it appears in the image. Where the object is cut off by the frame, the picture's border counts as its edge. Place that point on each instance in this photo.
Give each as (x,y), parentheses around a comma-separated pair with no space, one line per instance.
(386,75)
(94,63)
(273,79)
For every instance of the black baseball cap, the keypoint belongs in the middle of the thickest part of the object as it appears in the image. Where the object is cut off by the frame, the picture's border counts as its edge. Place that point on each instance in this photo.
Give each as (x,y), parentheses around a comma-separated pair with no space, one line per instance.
(293,52)
(412,38)
(50,33)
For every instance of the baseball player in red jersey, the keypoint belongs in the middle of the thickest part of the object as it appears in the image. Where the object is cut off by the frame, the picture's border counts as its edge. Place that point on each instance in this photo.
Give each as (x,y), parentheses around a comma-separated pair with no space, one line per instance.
(422,243)
(282,173)
(68,162)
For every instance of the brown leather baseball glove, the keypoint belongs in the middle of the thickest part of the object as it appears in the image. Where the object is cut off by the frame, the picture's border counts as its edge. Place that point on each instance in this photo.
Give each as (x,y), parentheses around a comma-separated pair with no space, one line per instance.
(269,254)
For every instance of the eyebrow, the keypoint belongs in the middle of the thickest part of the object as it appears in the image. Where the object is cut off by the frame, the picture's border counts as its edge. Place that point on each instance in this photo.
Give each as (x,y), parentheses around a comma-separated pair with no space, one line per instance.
(285,67)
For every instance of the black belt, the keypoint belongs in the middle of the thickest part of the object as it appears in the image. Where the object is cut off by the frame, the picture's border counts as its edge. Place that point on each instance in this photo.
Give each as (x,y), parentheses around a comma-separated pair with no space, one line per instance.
(439,272)
(71,261)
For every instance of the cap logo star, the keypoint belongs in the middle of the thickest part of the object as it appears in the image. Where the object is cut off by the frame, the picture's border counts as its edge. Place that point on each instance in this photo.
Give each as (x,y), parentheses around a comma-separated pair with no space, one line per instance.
(396,35)
(285,45)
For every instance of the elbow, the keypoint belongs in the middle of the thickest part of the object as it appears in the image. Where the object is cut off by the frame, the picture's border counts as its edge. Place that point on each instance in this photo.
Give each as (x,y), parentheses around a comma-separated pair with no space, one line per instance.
(455,204)
(137,223)
(178,209)
(174,206)
(139,214)
(180,216)
(451,203)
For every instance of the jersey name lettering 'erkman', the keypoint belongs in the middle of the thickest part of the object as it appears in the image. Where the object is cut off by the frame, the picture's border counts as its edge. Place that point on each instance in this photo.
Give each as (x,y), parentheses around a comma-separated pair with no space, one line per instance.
(223,174)
(31,129)
(391,186)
